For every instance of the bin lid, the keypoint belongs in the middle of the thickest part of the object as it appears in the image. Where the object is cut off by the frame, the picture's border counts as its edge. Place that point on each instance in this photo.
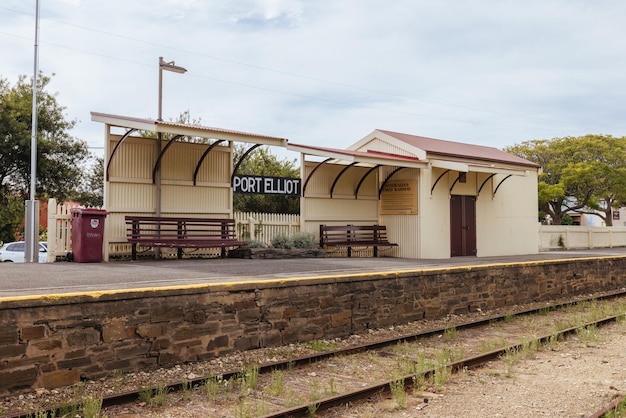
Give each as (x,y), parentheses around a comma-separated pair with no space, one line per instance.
(89,211)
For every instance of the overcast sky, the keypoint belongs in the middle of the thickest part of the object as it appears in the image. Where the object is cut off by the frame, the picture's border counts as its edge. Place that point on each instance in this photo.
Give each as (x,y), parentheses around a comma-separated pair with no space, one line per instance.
(328,72)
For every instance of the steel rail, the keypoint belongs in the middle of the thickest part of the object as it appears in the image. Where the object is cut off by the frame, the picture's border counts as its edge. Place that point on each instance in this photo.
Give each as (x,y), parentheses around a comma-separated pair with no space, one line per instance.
(385,387)
(611,407)
(133,395)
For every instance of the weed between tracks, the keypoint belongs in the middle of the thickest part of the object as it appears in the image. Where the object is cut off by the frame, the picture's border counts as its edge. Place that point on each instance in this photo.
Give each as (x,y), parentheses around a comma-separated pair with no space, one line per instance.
(250,395)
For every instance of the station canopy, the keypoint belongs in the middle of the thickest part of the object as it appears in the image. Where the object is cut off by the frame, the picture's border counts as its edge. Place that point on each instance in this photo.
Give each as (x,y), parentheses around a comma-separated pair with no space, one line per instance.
(365,158)
(175,128)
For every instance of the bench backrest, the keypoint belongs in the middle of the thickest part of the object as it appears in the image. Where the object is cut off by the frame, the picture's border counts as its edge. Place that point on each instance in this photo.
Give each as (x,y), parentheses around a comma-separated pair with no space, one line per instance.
(180,228)
(336,234)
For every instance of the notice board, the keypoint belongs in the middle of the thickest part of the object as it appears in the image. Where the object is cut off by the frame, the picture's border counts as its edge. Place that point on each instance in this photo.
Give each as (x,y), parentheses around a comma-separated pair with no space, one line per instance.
(399,197)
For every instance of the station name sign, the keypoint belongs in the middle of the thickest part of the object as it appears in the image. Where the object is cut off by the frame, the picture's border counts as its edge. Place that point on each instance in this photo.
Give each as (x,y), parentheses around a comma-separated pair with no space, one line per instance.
(266,185)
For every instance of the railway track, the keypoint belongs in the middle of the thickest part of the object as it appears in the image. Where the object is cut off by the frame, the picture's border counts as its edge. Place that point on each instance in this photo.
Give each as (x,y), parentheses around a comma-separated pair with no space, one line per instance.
(388,348)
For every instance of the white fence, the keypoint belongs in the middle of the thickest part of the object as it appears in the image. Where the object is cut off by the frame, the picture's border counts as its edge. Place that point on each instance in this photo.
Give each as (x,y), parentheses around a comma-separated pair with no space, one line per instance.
(561,237)
(59,230)
(265,226)
(250,226)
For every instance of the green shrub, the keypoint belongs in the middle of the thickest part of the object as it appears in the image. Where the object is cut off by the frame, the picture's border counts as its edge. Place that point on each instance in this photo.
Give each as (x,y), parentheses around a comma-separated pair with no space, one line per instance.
(297,240)
(255,243)
(282,241)
(303,240)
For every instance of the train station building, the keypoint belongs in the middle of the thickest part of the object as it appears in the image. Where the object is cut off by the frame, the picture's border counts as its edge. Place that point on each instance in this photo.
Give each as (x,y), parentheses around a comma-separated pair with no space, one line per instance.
(437,199)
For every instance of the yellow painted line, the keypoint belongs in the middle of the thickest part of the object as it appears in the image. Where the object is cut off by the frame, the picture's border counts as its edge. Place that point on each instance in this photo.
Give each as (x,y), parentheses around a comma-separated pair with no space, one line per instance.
(98,294)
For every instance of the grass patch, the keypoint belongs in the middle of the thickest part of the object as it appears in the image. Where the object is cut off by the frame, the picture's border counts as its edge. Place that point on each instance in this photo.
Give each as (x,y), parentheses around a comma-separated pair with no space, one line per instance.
(450,333)
(398,392)
(321,345)
(249,377)
(277,383)
(92,407)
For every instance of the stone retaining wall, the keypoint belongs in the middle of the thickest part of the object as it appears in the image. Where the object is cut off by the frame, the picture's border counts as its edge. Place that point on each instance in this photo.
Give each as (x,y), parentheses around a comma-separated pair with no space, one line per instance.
(55,341)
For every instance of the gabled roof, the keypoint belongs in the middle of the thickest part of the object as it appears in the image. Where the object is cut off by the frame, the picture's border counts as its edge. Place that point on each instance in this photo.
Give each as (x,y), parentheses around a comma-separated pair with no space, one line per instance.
(365,157)
(438,148)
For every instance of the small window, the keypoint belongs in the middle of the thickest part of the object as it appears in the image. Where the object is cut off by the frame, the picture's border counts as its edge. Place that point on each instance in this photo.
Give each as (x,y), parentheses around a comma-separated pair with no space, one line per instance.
(18,246)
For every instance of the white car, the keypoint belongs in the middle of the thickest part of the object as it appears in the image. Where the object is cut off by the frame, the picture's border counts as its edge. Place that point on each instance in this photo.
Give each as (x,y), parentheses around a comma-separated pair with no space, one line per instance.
(14,252)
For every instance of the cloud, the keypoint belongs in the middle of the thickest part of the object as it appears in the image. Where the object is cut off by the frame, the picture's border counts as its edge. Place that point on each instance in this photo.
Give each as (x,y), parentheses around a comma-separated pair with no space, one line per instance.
(328,72)
(264,14)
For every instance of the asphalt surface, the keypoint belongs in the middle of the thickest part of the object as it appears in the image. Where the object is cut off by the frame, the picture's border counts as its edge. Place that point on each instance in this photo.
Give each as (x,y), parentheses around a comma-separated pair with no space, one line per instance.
(19,280)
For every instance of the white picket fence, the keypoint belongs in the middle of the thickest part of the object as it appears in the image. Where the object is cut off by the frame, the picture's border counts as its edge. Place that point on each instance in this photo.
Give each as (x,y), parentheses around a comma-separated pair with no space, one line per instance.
(59,230)
(250,226)
(265,226)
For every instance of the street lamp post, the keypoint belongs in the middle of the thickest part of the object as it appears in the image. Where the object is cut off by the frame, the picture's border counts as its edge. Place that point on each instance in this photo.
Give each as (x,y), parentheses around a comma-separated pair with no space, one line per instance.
(31,219)
(167,66)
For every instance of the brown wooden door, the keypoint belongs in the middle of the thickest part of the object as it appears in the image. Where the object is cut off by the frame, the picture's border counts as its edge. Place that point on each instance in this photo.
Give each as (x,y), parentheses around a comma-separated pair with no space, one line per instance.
(462,225)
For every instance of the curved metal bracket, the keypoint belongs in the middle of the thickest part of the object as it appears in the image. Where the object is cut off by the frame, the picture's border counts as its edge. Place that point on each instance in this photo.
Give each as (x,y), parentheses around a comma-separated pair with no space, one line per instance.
(313,171)
(204,155)
(437,181)
(358,186)
(337,178)
(158,161)
(502,181)
(382,186)
(243,157)
(122,139)
(485,182)
(455,182)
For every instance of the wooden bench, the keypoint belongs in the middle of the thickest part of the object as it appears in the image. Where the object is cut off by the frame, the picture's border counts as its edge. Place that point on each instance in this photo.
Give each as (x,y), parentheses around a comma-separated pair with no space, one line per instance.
(153,231)
(349,236)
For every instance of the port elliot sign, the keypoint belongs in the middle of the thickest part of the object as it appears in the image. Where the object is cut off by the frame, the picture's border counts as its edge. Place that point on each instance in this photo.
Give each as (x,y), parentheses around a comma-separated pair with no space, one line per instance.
(266,185)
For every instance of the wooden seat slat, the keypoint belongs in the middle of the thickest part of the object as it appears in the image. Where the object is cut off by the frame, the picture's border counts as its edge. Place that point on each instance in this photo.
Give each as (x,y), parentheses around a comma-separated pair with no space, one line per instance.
(349,236)
(154,231)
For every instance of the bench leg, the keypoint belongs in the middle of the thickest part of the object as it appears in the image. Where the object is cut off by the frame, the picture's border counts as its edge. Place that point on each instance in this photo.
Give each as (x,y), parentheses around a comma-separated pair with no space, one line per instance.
(349,251)
(133,252)
(180,253)
(375,251)
(223,252)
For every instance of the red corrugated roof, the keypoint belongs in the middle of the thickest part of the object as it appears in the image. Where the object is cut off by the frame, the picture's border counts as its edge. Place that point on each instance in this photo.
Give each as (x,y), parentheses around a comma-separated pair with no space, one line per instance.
(458,149)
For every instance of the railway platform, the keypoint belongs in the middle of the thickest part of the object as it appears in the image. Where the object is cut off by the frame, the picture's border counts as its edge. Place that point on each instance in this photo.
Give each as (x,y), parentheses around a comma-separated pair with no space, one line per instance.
(23,280)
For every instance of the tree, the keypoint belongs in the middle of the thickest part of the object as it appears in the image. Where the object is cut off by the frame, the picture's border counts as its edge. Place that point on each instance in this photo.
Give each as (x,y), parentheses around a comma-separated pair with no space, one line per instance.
(263,163)
(11,215)
(59,156)
(91,191)
(584,174)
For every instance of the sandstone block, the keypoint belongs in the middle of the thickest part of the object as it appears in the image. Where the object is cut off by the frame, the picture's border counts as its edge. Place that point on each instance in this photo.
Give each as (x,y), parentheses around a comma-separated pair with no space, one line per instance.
(12,350)
(150,330)
(114,331)
(9,335)
(18,379)
(59,378)
(32,333)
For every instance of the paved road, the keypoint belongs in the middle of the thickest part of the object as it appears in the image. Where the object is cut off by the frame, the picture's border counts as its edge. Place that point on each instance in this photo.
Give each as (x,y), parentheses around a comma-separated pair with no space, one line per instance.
(63,277)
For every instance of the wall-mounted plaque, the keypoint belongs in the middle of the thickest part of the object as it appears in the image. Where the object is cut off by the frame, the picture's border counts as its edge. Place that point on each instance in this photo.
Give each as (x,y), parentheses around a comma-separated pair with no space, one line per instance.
(399,197)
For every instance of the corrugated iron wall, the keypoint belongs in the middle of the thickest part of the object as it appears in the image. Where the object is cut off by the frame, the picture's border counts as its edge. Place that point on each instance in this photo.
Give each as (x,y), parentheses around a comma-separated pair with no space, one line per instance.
(318,208)
(131,191)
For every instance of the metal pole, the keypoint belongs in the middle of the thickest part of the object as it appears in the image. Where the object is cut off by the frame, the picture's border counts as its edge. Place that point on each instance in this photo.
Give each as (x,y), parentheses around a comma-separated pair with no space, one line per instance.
(169,66)
(157,250)
(31,223)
